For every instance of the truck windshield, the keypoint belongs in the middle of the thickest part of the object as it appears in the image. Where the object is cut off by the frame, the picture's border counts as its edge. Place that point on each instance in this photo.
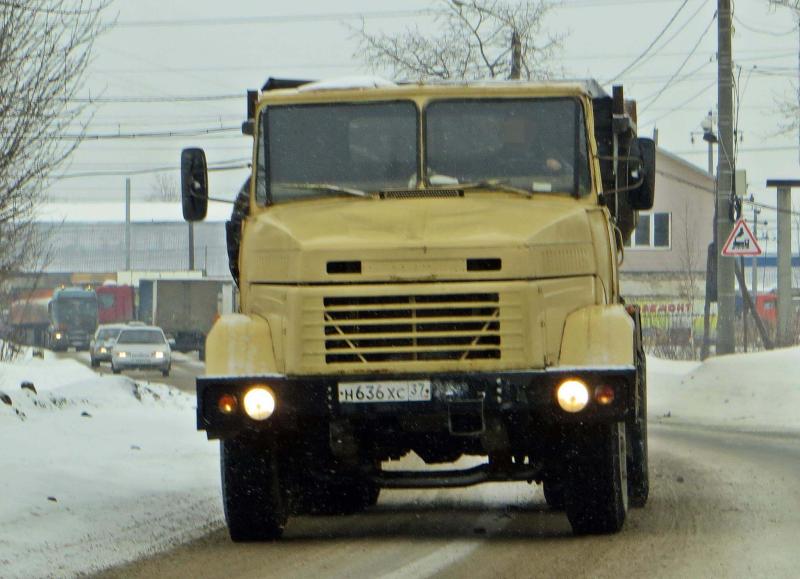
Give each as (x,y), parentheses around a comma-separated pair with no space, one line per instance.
(534,144)
(336,149)
(75,311)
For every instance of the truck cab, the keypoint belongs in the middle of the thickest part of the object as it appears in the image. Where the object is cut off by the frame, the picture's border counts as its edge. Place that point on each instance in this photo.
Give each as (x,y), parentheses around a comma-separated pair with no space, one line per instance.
(430,269)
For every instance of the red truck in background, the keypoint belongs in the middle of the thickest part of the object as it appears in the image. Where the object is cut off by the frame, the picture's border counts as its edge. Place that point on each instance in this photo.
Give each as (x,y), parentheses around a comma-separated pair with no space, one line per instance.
(115,303)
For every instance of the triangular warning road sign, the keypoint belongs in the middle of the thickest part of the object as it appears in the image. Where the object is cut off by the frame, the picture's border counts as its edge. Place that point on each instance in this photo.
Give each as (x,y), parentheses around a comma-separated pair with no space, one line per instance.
(741,241)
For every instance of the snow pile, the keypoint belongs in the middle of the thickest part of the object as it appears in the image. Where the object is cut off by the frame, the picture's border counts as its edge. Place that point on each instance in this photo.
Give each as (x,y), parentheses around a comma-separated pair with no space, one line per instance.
(752,392)
(97,470)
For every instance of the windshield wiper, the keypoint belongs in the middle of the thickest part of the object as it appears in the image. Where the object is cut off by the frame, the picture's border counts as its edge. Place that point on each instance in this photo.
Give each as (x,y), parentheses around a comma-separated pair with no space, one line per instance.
(329,187)
(496,184)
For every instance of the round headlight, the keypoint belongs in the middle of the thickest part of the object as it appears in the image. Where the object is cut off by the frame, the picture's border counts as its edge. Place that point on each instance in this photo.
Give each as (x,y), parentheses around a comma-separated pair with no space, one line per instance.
(573,395)
(259,403)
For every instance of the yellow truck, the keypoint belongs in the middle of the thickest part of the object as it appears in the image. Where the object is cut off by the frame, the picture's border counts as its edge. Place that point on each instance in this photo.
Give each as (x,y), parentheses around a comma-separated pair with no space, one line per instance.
(429,268)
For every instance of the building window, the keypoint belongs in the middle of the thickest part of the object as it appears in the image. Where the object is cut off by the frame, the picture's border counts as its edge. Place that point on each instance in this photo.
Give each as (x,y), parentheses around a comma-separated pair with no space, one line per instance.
(653,231)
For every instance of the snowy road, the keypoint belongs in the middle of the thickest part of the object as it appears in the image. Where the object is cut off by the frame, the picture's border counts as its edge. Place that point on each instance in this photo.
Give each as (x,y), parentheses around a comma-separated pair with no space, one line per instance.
(185,368)
(722,505)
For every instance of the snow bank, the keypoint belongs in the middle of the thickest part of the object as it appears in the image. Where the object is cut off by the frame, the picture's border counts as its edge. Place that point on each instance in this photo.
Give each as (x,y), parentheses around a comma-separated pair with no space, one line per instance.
(752,392)
(97,470)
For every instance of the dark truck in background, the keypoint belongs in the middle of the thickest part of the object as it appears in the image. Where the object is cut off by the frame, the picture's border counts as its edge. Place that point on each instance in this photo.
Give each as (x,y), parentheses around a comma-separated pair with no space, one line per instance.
(184,308)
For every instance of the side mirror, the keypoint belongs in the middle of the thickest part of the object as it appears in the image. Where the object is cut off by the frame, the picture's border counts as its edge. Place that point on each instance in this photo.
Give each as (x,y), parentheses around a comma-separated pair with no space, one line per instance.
(172,343)
(642,198)
(194,184)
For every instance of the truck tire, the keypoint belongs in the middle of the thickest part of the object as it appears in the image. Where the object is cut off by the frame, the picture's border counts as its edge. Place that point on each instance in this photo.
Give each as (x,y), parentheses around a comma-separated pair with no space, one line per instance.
(596,497)
(253,492)
(554,494)
(636,426)
(95,363)
(115,370)
(636,433)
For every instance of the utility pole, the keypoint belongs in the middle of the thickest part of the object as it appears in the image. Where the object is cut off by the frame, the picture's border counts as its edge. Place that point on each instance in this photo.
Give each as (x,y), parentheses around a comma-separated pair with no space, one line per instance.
(726,297)
(785,337)
(711,255)
(754,272)
(128,224)
(516,56)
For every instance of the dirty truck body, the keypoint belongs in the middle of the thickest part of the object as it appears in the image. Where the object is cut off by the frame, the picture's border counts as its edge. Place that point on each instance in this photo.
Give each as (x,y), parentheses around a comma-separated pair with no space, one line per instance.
(430,269)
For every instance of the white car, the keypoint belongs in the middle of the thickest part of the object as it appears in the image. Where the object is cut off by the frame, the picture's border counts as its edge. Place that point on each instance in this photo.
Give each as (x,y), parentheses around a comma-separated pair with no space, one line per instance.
(103,342)
(141,348)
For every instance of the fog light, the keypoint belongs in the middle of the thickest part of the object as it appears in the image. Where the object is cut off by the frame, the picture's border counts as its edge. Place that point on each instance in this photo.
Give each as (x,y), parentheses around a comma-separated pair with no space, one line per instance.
(604,395)
(227,404)
(573,395)
(259,403)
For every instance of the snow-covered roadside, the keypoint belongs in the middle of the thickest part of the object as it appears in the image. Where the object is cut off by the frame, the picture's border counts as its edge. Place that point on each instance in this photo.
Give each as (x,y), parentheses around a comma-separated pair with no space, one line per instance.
(757,392)
(95,471)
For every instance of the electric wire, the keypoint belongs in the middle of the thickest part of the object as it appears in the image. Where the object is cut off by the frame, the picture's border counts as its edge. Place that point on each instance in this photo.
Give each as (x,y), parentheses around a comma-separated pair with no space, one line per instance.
(653,98)
(649,46)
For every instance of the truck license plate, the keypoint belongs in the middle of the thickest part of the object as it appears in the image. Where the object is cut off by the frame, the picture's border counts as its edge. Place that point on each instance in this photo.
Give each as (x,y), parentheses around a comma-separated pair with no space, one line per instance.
(389,391)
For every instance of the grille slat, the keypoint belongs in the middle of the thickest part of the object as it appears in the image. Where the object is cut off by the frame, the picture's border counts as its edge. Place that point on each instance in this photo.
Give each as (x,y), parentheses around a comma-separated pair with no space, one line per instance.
(371,329)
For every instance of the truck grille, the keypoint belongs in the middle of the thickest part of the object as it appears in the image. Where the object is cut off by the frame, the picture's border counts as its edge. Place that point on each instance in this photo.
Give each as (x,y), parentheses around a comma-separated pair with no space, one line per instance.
(371,329)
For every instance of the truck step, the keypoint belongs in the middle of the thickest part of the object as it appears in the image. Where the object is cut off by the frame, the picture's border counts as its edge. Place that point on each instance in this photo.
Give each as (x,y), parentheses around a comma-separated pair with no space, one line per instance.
(484,473)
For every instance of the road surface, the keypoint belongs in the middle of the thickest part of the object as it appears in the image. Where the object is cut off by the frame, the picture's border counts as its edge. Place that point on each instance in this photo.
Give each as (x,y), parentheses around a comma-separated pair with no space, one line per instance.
(185,368)
(722,505)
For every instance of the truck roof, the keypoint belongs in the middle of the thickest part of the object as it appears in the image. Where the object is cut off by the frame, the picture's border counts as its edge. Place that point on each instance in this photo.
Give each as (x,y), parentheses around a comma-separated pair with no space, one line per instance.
(369,87)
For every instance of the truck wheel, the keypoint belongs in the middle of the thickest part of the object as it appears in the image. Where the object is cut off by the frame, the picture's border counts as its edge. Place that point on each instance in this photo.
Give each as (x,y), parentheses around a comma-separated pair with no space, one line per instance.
(115,370)
(636,432)
(253,492)
(165,373)
(95,363)
(596,497)
(554,494)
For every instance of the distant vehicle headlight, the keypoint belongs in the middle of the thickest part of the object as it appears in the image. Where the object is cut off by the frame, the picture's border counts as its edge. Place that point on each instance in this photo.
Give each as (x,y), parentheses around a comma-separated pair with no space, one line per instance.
(121,354)
(103,349)
(58,335)
(573,395)
(159,355)
(259,403)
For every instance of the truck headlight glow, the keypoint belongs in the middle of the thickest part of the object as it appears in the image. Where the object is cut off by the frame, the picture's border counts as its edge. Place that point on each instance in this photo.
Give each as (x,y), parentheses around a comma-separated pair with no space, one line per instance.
(259,403)
(122,354)
(103,349)
(58,335)
(573,395)
(159,355)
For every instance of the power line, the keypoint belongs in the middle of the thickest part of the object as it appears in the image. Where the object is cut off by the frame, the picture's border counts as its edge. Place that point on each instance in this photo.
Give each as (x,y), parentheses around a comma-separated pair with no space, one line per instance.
(145,135)
(680,68)
(156,99)
(651,45)
(761,30)
(277,19)
(683,104)
(165,169)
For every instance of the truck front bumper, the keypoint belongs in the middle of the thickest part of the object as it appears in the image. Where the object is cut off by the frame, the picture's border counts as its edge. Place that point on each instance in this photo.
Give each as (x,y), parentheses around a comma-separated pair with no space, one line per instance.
(451,395)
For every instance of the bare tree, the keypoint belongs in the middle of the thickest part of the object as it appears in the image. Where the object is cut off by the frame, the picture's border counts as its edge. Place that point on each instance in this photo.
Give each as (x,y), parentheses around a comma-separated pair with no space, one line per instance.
(789,106)
(165,188)
(476,39)
(45,46)
(690,273)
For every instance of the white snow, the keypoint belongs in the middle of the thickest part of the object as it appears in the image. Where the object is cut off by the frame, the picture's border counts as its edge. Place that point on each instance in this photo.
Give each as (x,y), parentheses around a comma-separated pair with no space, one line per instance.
(80,493)
(757,392)
(346,83)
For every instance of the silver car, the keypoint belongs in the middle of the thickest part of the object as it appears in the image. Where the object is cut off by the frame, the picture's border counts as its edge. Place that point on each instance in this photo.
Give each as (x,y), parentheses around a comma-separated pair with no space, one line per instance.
(141,347)
(103,342)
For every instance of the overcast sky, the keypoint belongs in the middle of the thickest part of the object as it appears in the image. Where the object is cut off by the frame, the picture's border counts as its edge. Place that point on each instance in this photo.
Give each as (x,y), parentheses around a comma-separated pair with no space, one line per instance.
(202,48)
